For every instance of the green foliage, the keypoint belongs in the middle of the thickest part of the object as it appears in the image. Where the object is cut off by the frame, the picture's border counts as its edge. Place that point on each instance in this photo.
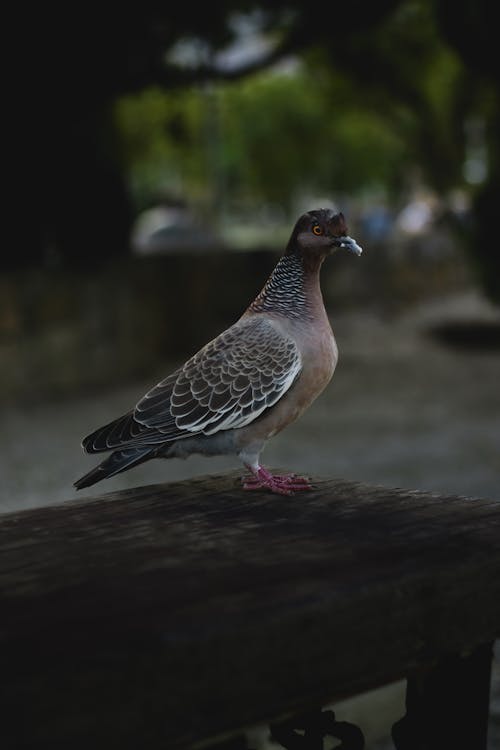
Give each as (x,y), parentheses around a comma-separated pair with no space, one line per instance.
(389,99)
(291,137)
(273,137)
(365,113)
(161,138)
(364,94)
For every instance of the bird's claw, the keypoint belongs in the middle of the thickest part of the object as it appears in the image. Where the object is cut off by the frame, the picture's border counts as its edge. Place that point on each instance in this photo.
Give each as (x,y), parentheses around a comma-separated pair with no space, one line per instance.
(280,484)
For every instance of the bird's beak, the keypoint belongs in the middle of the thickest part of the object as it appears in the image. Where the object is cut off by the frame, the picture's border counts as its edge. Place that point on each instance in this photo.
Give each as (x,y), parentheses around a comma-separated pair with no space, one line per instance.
(348,243)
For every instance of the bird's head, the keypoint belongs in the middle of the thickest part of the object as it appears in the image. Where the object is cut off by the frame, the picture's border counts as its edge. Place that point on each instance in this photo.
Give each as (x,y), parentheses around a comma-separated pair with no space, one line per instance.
(318,233)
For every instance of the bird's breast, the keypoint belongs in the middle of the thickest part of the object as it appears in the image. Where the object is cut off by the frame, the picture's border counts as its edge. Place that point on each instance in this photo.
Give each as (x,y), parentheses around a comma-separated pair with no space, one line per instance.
(319,358)
(319,355)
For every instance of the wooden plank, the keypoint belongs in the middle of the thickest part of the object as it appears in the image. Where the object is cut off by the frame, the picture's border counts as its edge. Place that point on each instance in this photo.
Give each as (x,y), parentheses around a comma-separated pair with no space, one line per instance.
(168,614)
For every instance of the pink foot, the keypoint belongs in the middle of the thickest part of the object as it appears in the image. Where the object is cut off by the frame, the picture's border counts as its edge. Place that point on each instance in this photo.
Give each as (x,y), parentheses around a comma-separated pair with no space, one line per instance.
(285,484)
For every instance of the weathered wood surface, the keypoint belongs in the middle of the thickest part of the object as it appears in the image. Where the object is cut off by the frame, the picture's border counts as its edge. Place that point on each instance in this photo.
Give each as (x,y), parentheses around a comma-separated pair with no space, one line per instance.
(162,615)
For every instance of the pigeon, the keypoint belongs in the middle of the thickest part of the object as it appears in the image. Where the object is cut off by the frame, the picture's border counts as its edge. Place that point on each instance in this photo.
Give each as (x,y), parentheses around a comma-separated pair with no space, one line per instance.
(250,382)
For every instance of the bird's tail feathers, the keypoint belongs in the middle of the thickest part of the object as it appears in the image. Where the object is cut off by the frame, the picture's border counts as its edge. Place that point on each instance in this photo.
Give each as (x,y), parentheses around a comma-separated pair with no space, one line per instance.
(114,464)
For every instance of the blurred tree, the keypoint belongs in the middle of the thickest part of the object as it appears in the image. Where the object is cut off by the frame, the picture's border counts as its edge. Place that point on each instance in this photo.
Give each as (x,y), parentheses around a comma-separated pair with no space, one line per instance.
(69,194)
(320,143)
(68,198)
(472,31)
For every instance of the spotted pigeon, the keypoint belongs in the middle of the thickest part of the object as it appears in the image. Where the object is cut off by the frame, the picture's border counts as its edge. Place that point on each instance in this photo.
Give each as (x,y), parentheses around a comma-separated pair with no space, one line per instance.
(247,384)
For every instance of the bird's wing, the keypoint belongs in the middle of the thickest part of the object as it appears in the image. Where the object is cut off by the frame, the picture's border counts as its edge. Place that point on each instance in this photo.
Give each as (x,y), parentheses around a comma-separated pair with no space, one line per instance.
(122,432)
(226,385)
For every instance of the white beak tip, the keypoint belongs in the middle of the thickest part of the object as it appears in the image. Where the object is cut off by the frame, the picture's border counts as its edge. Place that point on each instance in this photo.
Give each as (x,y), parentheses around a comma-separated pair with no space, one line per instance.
(351,245)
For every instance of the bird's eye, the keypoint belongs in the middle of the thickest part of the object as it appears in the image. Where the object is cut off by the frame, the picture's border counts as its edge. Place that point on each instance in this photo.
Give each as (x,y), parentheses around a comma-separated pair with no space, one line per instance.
(317,229)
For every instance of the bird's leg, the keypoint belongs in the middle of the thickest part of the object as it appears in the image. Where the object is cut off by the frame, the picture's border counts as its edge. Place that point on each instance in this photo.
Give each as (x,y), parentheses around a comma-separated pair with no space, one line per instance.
(283,484)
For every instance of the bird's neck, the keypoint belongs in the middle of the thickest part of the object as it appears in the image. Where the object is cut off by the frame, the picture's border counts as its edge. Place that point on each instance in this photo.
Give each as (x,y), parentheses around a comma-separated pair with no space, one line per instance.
(293,289)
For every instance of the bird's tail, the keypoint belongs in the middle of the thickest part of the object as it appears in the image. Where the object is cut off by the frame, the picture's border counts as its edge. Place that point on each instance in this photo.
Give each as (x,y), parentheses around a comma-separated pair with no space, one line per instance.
(114,464)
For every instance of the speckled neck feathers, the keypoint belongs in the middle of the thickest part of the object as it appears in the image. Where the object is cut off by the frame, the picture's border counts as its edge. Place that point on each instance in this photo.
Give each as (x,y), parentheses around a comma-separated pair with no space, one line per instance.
(287,291)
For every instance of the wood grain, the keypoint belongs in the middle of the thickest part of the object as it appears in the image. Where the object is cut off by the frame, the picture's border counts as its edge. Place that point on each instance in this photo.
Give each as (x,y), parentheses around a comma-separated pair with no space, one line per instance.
(165,615)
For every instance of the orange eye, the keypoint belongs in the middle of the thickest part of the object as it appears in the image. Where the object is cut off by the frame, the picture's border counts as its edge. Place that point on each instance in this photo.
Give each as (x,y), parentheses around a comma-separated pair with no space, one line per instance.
(317,229)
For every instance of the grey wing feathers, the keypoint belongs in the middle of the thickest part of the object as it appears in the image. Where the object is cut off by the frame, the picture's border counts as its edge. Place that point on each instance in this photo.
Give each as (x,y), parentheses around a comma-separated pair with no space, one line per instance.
(226,385)
(121,432)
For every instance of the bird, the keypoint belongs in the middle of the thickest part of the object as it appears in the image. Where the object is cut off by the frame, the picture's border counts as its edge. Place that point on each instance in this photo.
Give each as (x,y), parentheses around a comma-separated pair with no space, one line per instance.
(248,383)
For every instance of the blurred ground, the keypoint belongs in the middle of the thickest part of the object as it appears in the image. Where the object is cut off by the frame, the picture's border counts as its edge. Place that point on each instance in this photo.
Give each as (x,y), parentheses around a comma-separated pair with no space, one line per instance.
(403,409)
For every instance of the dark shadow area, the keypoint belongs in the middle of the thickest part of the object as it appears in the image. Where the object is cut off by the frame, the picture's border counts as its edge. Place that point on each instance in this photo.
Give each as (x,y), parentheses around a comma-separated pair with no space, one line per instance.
(468,335)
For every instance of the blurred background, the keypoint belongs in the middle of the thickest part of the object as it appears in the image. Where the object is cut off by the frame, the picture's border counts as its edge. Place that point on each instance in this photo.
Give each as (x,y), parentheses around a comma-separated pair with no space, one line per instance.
(159,157)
